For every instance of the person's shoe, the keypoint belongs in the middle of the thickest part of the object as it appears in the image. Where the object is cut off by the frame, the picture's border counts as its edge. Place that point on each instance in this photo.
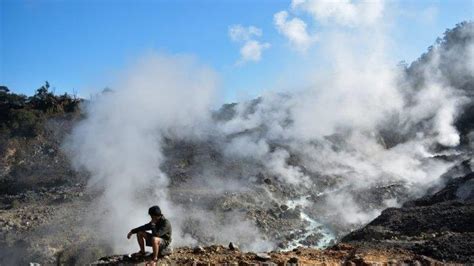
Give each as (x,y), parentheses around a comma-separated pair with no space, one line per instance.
(139,254)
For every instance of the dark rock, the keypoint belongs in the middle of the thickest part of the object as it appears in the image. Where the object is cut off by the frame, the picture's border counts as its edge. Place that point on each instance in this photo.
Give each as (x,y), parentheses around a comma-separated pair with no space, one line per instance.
(233,246)
(198,250)
(293,260)
(342,246)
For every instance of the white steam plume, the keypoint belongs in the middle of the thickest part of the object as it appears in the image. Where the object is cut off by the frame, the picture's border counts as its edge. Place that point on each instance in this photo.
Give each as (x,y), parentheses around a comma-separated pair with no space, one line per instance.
(120,141)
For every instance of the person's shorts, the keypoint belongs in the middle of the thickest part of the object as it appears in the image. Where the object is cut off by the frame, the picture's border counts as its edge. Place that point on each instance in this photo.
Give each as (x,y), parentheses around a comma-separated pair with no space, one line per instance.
(148,240)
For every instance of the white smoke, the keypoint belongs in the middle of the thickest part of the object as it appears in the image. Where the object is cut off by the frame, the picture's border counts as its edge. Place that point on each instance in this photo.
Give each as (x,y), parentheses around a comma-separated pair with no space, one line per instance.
(335,127)
(120,141)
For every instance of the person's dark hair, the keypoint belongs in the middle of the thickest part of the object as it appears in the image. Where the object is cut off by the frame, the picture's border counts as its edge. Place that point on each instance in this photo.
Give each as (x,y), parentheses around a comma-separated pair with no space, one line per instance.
(154,211)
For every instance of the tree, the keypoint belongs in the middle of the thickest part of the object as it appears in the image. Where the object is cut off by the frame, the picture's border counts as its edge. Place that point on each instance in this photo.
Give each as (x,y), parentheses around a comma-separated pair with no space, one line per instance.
(4,89)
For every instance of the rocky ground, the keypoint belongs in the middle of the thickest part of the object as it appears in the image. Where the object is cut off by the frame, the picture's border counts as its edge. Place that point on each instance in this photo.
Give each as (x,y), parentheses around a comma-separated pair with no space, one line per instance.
(220,255)
(434,229)
(48,226)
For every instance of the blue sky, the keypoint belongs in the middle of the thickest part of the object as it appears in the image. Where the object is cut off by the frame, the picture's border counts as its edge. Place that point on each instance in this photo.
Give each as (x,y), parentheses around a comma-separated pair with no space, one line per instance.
(81,44)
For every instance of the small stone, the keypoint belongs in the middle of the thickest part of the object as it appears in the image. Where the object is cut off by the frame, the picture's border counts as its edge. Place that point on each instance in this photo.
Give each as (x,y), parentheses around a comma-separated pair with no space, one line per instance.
(233,246)
(262,256)
(198,249)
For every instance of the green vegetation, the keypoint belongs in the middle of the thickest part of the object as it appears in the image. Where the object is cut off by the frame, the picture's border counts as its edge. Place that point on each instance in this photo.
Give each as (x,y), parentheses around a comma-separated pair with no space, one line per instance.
(24,116)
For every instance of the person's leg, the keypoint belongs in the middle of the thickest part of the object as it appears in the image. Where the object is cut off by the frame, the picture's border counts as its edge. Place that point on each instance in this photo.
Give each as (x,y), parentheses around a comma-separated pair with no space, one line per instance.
(141,241)
(156,247)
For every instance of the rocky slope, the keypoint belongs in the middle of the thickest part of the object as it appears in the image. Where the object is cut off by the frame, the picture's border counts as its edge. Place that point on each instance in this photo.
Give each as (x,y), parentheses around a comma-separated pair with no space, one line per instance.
(440,225)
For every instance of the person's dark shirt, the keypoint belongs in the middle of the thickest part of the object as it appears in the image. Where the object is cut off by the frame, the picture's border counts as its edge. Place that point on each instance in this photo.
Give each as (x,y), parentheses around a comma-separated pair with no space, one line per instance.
(161,229)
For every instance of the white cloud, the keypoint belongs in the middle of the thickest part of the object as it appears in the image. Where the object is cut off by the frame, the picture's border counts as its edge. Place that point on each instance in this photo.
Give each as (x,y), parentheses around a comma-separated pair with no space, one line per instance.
(293,29)
(345,13)
(251,49)
(239,33)
(342,12)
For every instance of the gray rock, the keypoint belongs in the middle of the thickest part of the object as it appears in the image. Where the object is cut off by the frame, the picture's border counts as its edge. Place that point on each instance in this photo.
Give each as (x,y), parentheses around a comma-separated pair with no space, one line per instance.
(262,256)
(291,214)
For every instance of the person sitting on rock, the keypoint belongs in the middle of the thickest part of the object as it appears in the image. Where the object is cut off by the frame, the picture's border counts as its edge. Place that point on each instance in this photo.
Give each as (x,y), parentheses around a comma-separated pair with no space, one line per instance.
(160,236)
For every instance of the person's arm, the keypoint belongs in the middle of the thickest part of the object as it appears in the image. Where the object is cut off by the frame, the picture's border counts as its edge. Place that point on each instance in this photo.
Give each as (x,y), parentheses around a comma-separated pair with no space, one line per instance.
(144,227)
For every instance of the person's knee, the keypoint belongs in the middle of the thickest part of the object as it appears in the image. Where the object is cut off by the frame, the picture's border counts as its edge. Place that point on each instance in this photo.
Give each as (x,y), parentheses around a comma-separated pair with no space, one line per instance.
(141,234)
(156,240)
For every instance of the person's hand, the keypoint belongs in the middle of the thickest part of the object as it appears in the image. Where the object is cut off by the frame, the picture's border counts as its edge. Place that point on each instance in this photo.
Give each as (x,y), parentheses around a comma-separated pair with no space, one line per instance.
(129,235)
